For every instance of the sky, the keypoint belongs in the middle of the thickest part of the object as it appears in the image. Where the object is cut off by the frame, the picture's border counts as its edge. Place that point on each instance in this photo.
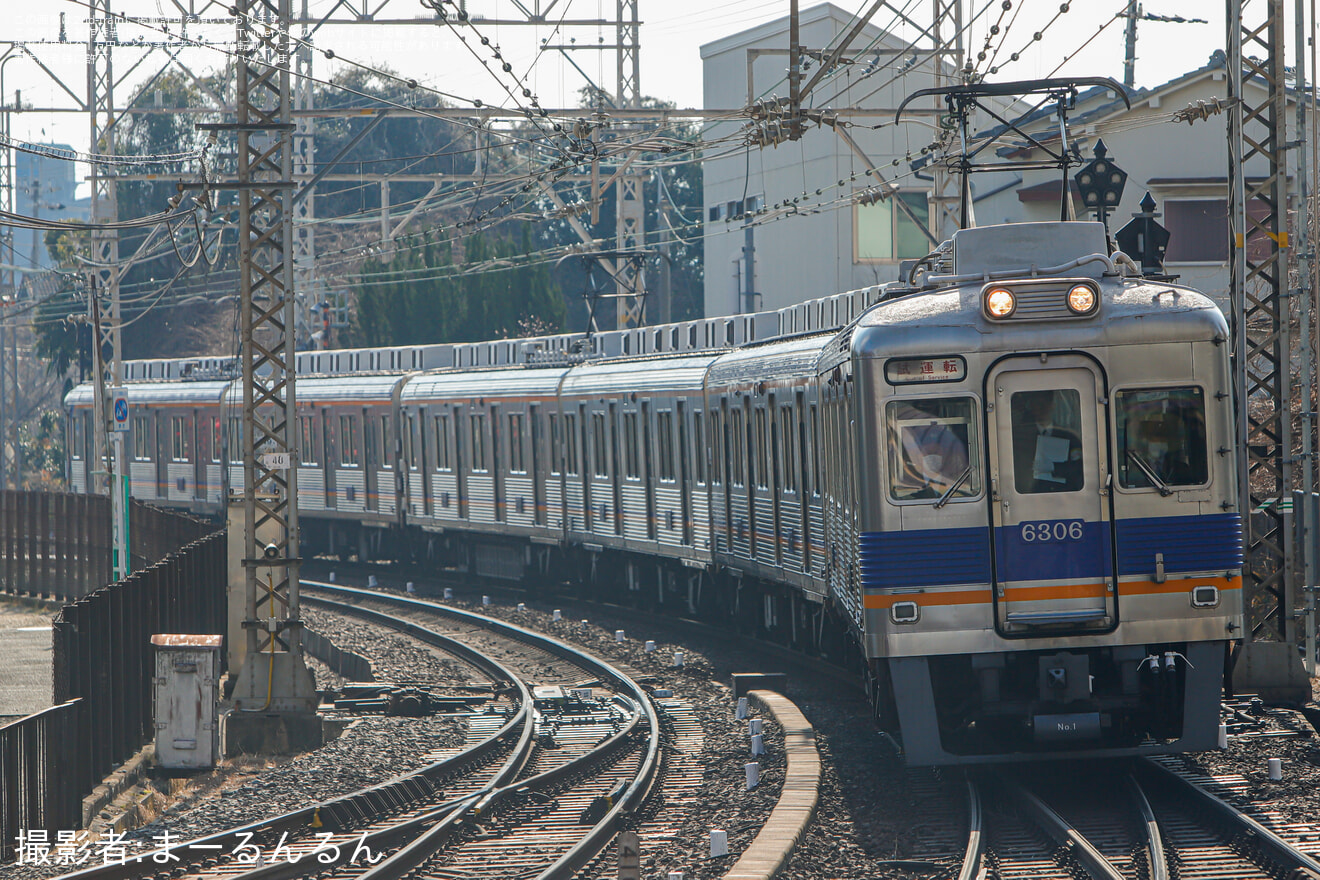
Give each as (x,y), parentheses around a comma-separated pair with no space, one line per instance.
(672,33)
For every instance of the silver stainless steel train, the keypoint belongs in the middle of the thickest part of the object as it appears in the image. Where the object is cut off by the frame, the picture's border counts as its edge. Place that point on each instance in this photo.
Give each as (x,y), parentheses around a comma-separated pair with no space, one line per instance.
(1002,485)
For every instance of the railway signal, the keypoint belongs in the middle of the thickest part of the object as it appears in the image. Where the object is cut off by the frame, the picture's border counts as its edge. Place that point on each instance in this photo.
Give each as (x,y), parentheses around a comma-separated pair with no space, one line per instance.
(1101,183)
(1144,239)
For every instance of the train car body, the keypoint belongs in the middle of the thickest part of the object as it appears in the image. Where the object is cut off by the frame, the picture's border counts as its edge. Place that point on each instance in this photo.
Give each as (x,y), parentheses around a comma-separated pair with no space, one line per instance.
(1002,487)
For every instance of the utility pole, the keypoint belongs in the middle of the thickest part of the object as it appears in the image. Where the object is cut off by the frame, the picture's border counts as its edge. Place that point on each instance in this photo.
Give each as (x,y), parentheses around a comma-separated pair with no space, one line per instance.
(945,192)
(1261,339)
(304,164)
(1133,14)
(104,275)
(274,696)
(1306,293)
(630,194)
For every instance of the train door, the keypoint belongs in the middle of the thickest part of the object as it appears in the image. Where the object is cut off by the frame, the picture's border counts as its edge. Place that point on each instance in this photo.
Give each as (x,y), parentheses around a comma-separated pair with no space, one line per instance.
(684,472)
(460,471)
(371,460)
(496,476)
(649,482)
(538,477)
(329,457)
(1053,535)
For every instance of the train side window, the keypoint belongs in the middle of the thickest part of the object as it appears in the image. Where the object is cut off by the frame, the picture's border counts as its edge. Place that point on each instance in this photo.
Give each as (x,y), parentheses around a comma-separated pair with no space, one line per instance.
(664,438)
(738,446)
(788,461)
(516,463)
(478,423)
(217,438)
(761,472)
(631,465)
(372,457)
(598,444)
(1161,434)
(306,441)
(349,454)
(813,449)
(932,448)
(387,456)
(443,462)
(180,438)
(570,444)
(555,448)
(698,448)
(141,448)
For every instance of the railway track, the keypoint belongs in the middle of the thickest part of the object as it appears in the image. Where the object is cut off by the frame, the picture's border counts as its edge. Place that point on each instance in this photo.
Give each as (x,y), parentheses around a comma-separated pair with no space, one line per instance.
(1147,820)
(537,791)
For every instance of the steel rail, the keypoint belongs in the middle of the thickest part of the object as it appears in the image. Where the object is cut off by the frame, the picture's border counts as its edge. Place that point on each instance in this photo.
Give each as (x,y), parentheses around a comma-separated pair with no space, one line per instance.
(629,800)
(971,864)
(1157,865)
(1062,832)
(1291,861)
(338,814)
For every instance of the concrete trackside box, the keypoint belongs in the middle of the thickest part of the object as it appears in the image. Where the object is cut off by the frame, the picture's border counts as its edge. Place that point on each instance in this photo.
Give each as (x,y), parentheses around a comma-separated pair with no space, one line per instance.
(185,693)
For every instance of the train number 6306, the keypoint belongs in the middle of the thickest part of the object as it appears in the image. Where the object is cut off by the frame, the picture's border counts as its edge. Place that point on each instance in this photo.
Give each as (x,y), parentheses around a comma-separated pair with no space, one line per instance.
(1042,532)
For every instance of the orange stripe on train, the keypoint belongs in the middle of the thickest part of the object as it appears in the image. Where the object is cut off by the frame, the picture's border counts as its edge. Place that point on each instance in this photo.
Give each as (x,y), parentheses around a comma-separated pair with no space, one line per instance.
(981,595)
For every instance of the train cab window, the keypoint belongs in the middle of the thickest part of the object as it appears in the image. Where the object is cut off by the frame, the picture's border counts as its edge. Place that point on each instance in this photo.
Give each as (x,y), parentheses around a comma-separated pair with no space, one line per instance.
(1048,455)
(1161,438)
(442,444)
(349,453)
(79,435)
(933,448)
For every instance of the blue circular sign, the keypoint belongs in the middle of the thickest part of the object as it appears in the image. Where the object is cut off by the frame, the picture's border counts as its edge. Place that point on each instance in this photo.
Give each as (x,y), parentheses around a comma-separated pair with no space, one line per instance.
(121,410)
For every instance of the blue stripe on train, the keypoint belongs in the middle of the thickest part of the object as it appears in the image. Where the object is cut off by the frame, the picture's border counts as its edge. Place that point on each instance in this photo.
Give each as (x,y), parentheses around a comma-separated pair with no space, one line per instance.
(930,557)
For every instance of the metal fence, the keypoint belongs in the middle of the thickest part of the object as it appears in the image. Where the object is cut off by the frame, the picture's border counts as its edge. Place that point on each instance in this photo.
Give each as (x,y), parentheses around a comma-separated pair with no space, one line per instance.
(102,656)
(41,763)
(58,545)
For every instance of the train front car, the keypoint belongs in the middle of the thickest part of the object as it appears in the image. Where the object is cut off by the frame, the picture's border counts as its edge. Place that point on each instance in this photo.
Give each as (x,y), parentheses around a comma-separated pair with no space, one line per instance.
(1049,539)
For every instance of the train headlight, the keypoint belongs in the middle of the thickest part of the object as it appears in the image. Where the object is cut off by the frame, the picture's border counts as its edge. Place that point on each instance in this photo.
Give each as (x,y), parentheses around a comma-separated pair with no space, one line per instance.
(1082,299)
(999,302)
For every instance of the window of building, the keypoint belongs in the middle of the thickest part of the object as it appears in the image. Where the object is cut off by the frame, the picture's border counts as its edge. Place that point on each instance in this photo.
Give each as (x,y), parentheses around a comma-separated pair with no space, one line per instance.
(884,231)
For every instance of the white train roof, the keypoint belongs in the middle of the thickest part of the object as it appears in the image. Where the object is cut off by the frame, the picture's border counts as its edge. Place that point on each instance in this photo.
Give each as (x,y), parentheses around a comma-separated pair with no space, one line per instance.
(377,387)
(678,374)
(513,382)
(159,393)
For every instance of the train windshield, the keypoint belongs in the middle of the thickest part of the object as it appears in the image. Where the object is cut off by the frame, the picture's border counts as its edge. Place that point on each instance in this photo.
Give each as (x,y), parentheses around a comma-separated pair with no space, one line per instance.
(933,449)
(1161,438)
(1047,441)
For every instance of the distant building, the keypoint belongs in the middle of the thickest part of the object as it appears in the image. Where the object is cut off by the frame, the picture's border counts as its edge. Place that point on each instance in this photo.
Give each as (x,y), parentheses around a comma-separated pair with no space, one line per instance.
(843,242)
(44,186)
(837,243)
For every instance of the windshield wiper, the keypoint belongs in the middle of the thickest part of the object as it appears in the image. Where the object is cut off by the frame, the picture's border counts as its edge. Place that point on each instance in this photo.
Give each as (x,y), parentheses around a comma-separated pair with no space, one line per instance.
(1150,473)
(948,493)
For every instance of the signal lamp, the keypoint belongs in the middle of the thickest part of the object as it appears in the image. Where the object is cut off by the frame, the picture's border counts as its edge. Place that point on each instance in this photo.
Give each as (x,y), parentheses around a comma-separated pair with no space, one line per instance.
(1000,302)
(1082,299)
